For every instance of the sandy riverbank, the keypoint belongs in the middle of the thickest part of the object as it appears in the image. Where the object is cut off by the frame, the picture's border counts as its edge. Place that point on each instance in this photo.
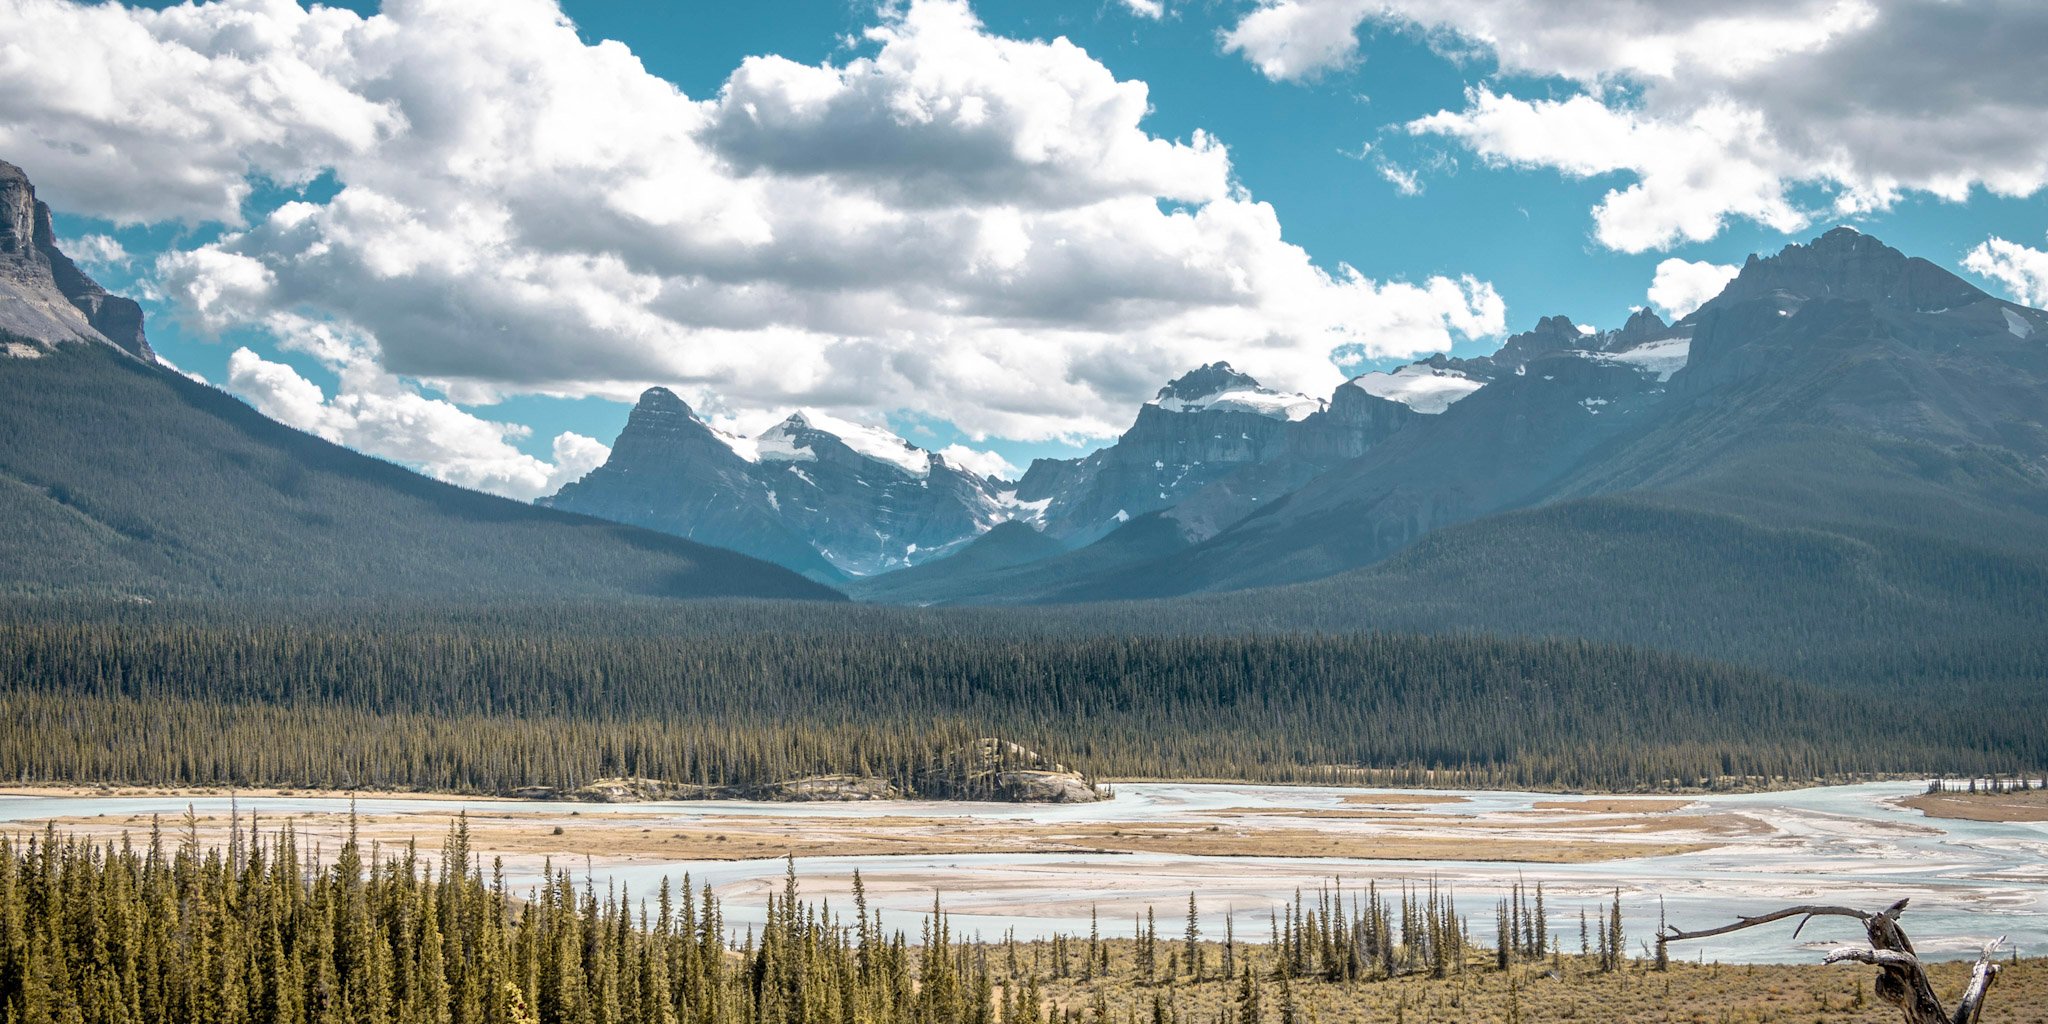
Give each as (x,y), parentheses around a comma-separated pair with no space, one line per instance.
(1561,832)
(2030,805)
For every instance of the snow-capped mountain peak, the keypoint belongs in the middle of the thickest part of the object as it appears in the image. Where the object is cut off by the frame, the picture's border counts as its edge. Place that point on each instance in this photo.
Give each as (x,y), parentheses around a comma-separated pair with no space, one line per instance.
(793,440)
(1219,388)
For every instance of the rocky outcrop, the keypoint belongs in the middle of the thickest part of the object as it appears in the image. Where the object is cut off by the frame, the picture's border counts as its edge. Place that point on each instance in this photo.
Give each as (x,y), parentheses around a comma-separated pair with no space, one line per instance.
(44,297)
(996,769)
(989,769)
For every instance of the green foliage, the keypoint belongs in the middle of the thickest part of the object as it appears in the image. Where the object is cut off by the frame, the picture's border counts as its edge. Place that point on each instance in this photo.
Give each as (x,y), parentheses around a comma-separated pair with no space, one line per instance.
(493,699)
(264,930)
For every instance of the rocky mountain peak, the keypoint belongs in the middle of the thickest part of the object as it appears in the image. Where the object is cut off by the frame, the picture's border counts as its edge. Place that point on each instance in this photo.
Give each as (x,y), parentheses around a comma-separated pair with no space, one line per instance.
(43,278)
(1203,381)
(660,399)
(1845,264)
(1641,324)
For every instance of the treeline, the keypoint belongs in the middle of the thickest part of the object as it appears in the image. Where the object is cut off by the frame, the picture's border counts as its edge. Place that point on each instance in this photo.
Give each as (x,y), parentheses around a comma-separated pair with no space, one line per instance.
(491,701)
(164,930)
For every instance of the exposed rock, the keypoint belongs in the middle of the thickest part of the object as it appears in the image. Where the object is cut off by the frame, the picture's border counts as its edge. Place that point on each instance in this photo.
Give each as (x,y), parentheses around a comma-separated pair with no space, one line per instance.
(836,787)
(44,297)
(995,769)
(624,790)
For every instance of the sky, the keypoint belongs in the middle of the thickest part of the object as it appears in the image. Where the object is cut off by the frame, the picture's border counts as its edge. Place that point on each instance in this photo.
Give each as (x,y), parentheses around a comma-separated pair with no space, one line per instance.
(463,235)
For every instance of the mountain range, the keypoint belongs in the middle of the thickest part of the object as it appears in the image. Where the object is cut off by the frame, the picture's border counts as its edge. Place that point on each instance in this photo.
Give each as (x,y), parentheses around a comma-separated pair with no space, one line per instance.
(1836,467)
(1844,452)
(1221,483)
(121,476)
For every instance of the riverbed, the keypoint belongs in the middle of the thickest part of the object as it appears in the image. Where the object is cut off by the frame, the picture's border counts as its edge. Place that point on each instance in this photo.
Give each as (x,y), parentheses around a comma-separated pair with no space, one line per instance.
(1968,881)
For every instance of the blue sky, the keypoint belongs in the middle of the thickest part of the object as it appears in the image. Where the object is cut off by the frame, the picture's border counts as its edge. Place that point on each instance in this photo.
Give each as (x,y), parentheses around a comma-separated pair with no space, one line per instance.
(1319,126)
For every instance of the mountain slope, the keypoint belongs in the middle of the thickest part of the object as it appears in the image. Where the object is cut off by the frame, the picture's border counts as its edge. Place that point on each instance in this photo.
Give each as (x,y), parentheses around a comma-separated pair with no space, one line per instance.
(1860,606)
(1837,383)
(671,472)
(120,476)
(1837,468)
(117,476)
(1004,546)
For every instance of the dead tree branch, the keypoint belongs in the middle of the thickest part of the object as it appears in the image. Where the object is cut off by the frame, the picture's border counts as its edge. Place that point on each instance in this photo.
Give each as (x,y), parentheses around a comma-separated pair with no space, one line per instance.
(1901,980)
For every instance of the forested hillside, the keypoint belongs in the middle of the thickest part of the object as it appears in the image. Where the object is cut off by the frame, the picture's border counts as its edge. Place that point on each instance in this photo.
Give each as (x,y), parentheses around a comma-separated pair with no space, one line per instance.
(745,695)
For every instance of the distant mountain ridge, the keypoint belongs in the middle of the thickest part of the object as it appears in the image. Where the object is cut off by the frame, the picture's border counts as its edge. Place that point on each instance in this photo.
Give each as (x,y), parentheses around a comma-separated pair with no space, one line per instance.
(828,499)
(122,477)
(835,500)
(1836,468)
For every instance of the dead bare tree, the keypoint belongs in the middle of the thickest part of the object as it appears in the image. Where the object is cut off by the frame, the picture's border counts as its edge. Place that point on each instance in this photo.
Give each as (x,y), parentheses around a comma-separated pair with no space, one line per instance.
(1901,981)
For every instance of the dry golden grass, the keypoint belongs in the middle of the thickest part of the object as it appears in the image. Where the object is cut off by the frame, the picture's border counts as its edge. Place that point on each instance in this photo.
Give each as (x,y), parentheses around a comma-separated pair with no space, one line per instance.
(2031,805)
(1571,992)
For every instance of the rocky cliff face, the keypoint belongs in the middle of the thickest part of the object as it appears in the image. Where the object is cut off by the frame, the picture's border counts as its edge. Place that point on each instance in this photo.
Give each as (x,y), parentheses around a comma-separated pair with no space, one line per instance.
(45,295)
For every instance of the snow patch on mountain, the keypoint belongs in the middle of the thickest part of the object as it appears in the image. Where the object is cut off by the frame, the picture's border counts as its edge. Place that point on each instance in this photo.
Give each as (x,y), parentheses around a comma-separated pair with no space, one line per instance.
(745,447)
(1663,358)
(1261,402)
(1425,389)
(2017,324)
(779,443)
(784,442)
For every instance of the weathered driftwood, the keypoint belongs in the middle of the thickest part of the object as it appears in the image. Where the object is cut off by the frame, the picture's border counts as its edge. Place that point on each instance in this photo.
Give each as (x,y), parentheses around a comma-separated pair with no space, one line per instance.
(1901,980)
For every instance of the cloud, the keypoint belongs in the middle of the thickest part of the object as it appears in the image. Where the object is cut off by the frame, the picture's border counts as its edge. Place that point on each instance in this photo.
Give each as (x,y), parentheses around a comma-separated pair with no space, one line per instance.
(1154,9)
(96,252)
(917,228)
(980,463)
(378,414)
(1724,108)
(1405,181)
(1681,286)
(2021,270)
(1296,39)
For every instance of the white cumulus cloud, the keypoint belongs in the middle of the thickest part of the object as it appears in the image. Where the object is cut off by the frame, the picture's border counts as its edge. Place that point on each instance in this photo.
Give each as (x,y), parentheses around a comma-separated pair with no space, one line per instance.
(1723,109)
(1682,286)
(2022,270)
(1295,39)
(379,414)
(96,252)
(953,223)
